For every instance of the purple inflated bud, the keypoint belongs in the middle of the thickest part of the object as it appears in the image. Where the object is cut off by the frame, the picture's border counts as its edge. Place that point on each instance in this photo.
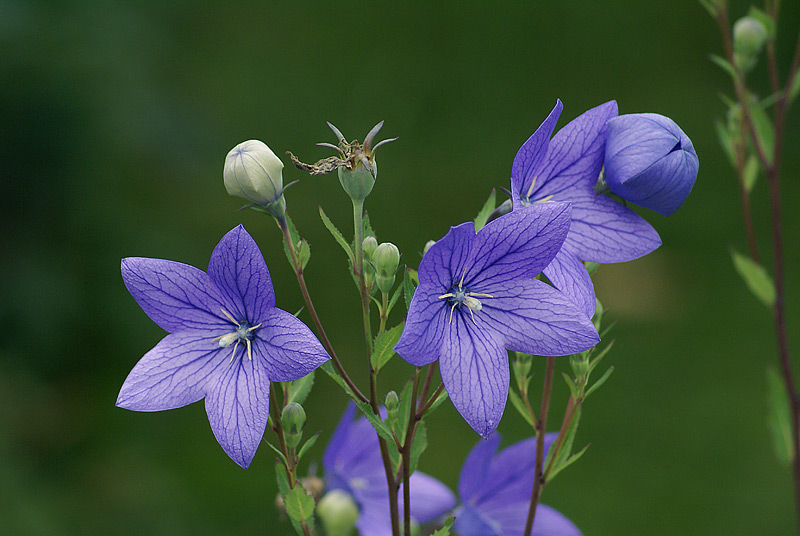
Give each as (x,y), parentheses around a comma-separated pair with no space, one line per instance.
(649,161)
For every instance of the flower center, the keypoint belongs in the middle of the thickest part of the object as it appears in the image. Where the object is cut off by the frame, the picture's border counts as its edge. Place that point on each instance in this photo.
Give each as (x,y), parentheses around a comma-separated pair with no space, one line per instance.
(460,296)
(526,199)
(243,333)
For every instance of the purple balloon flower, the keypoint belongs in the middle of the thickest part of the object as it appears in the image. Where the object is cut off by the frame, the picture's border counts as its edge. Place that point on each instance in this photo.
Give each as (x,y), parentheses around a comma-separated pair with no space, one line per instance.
(495,490)
(352,463)
(227,341)
(566,169)
(650,161)
(477,297)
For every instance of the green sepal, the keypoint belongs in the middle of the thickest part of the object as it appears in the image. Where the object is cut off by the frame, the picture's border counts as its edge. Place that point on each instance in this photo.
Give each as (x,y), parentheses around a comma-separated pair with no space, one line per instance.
(765,20)
(779,419)
(724,64)
(750,173)
(574,390)
(278,452)
(519,405)
(283,488)
(298,389)
(337,235)
(383,347)
(564,456)
(409,285)
(365,408)
(299,504)
(591,267)
(486,211)
(755,277)
(307,445)
(445,530)
(436,403)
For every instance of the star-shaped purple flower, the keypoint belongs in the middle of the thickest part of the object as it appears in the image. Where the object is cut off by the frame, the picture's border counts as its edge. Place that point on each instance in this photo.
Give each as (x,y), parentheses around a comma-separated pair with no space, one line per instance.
(566,169)
(227,341)
(494,489)
(478,296)
(352,463)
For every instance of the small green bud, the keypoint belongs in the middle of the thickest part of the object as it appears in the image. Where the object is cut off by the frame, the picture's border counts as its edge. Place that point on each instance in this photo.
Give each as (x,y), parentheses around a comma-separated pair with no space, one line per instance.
(522,364)
(749,36)
(358,182)
(428,245)
(386,260)
(253,172)
(392,402)
(369,246)
(338,512)
(293,420)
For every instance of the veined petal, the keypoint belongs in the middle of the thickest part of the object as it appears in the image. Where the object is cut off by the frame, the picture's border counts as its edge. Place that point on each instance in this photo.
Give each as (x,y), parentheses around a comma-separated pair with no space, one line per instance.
(287,347)
(338,439)
(575,155)
(532,317)
(512,517)
(474,370)
(519,244)
(528,160)
(445,261)
(604,230)
(426,322)
(238,268)
(238,406)
(569,275)
(176,372)
(475,471)
(174,295)
(471,522)
(430,499)
(636,137)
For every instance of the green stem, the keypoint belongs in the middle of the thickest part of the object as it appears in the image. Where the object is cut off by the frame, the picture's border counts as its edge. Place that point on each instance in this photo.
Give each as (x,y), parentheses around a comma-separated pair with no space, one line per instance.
(406,453)
(298,271)
(384,311)
(538,480)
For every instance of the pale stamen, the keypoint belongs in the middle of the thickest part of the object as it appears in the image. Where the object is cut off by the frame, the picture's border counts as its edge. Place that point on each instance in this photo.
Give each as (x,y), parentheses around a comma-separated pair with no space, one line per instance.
(530,190)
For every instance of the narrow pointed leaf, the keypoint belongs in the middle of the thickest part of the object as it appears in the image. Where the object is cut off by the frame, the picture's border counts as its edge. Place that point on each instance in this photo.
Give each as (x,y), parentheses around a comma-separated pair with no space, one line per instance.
(383,347)
(486,210)
(408,286)
(723,63)
(445,530)
(337,235)
(750,175)
(418,446)
(779,420)
(438,402)
(278,452)
(403,411)
(599,382)
(726,141)
(307,445)
(519,405)
(299,389)
(303,253)
(756,277)
(393,300)
(295,236)
(765,132)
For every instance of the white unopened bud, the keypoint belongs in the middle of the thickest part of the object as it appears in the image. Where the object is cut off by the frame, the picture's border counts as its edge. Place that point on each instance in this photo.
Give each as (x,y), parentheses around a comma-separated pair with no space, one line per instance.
(253,172)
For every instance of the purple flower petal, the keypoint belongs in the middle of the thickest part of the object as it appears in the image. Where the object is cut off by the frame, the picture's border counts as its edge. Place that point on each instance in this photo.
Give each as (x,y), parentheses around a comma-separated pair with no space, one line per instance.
(238,406)
(530,156)
(519,244)
(446,259)
(175,296)
(238,268)
(569,275)
(474,370)
(548,521)
(340,435)
(604,230)
(425,325)
(430,499)
(533,317)
(475,471)
(287,347)
(176,372)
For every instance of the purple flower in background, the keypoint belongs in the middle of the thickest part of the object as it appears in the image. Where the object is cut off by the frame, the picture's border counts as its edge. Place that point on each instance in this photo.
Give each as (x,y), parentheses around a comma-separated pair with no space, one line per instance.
(352,463)
(477,297)
(227,341)
(649,161)
(566,169)
(495,490)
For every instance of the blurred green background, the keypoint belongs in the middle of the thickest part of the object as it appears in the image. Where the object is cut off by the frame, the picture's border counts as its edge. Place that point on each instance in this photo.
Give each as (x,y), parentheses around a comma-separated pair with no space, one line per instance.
(115,119)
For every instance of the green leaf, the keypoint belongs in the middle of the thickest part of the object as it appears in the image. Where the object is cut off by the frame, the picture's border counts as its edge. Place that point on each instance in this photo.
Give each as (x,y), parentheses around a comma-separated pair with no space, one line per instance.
(794,90)
(445,530)
(307,445)
(599,382)
(404,410)
(723,63)
(418,446)
(295,236)
(283,487)
(383,347)
(779,420)
(517,402)
(365,408)
(299,504)
(303,253)
(750,174)
(337,235)
(393,300)
(278,452)
(764,19)
(299,389)
(408,286)
(438,402)
(756,277)
(765,132)
(726,141)
(486,210)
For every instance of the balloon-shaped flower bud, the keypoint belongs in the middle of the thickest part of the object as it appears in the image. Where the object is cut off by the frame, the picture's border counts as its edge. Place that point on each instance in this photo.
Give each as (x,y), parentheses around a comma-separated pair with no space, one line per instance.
(369,245)
(293,420)
(649,161)
(338,512)
(392,403)
(749,36)
(386,260)
(428,245)
(253,172)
